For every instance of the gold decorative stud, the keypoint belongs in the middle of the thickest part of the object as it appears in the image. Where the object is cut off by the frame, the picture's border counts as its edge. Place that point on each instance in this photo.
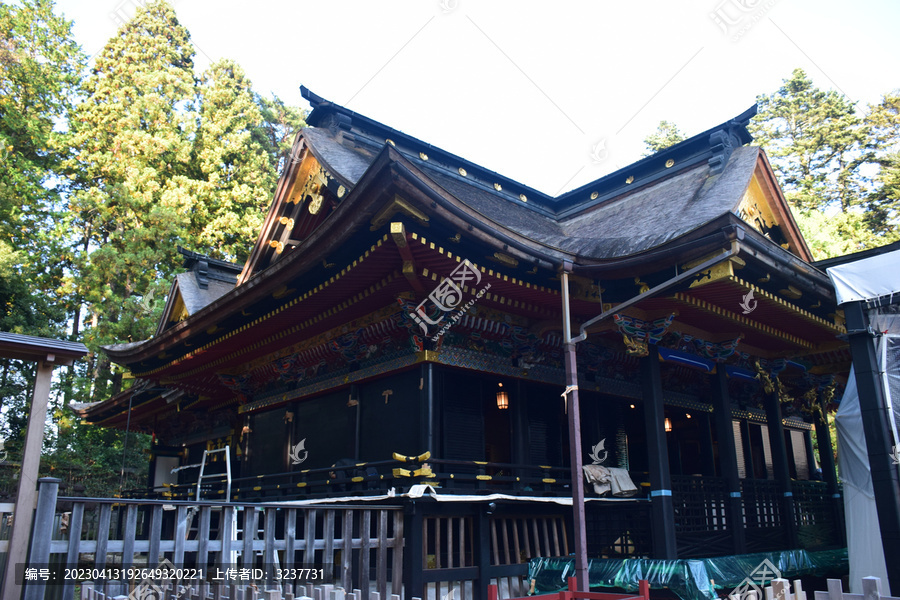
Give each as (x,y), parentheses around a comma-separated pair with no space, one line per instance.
(341,191)
(630,179)
(595,195)
(523,197)
(498,187)
(669,163)
(423,156)
(390,141)
(462,171)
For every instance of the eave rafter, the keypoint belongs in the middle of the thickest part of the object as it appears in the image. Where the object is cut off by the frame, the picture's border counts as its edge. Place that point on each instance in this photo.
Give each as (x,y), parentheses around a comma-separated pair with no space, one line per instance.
(288,303)
(714,309)
(398,234)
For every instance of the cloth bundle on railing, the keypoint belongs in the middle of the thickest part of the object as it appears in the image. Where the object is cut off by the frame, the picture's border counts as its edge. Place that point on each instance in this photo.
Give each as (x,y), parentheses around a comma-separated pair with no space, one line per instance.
(610,479)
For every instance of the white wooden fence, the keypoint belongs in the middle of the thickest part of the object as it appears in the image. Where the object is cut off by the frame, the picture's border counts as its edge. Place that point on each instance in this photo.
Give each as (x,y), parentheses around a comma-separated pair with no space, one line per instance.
(222,592)
(781,590)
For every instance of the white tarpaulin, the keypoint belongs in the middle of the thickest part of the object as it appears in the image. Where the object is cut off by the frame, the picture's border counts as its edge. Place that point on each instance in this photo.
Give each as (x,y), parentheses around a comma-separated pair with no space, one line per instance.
(866,280)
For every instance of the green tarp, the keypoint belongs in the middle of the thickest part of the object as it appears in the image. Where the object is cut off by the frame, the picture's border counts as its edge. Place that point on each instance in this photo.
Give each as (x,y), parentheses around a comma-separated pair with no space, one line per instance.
(689,579)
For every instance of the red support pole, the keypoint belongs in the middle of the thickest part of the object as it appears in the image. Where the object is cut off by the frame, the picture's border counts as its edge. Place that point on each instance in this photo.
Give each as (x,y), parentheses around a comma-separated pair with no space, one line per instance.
(493,592)
(644,589)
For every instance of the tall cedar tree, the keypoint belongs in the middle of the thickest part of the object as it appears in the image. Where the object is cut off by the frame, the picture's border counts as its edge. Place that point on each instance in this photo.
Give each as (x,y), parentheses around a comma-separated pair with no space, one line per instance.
(883,204)
(131,203)
(162,160)
(39,72)
(235,172)
(819,147)
(40,67)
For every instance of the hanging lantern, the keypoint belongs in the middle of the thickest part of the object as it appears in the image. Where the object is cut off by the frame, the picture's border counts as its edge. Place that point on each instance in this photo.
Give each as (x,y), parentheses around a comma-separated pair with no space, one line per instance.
(668,424)
(502,398)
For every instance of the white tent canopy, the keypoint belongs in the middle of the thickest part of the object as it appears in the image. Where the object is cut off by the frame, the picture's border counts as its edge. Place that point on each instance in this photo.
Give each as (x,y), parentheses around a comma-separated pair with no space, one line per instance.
(876,281)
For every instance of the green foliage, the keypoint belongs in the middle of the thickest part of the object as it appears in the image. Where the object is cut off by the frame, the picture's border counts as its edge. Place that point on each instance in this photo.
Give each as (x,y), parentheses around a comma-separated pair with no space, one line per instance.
(823,152)
(666,134)
(235,175)
(131,189)
(280,124)
(102,176)
(39,70)
(161,160)
(883,203)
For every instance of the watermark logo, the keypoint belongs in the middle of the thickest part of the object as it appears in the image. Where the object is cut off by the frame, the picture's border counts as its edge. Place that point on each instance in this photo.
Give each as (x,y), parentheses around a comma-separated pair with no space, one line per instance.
(736,17)
(447,297)
(595,452)
(448,6)
(599,151)
(754,585)
(154,587)
(895,454)
(748,302)
(295,453)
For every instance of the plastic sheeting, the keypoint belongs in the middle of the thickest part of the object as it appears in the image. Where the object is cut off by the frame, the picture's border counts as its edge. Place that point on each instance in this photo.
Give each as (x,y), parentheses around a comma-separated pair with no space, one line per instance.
(689,579)
(860,513)
(868,279)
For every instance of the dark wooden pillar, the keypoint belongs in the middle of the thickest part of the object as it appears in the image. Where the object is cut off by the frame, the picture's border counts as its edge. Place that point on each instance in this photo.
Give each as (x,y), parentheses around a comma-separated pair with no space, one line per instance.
(707,454)
(662,510)
(877,429)
(728,459)
(426,408)
(780,464)
(829,473)
(413,551)
(482,550)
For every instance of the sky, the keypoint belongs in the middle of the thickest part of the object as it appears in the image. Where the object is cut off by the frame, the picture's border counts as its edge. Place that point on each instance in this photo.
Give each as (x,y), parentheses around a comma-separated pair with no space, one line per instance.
(553,95)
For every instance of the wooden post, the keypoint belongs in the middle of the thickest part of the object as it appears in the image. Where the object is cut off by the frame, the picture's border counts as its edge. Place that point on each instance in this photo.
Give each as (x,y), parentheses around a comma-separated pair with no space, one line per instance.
(780,465)
(48,487)
(829,474)
(414,554)
(728,459)
(662,510)
(482,558)
(75,521)
(27,494)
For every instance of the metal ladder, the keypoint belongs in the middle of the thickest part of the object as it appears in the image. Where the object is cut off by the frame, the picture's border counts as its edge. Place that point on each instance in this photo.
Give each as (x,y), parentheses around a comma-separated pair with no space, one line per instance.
(201,477)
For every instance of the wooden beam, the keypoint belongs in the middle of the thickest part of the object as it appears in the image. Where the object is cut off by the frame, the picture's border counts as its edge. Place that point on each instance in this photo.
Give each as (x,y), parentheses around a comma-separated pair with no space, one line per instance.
(28,479)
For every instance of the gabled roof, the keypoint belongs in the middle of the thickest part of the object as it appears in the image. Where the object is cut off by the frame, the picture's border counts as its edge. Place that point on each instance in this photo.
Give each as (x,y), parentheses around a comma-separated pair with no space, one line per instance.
(364,215)
(206,280)
(31,348)
(635,210)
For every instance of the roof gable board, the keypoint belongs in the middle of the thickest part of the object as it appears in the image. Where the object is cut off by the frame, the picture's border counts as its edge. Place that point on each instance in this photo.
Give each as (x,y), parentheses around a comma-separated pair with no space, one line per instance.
(763,206)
